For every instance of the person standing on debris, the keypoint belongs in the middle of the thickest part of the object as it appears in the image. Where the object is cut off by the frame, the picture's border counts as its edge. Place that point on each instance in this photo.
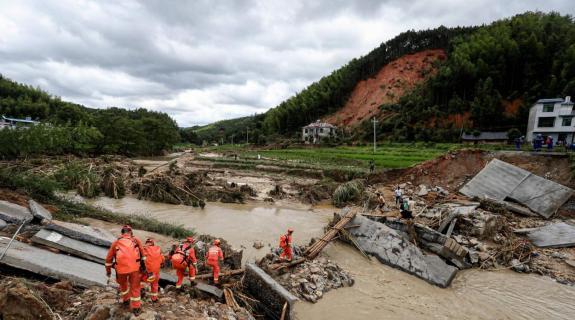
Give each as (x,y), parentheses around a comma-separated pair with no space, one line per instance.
(407,209)
(154,262)
(125,255)
(371,166)
(380,202)
(213,257)
(185,258)
(285,244)
(398,194)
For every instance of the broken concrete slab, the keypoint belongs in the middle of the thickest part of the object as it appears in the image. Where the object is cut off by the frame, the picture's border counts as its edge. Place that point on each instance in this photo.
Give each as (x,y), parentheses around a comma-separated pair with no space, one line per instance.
(554,235)
(38,211)
(500,180)
(49,264)
(393,248)
(13,213)
(204,287)
(3,224)
(97,236)
(269,292)
(75,247)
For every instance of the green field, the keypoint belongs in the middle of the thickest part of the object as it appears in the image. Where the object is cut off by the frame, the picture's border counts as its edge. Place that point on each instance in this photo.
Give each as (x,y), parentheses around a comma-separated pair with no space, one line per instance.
(386,156)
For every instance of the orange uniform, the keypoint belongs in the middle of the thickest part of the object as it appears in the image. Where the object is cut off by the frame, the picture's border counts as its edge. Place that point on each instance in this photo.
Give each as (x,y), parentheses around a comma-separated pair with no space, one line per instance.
(154,261)
(125,255)
(182,260)
(285,244)
(213,256)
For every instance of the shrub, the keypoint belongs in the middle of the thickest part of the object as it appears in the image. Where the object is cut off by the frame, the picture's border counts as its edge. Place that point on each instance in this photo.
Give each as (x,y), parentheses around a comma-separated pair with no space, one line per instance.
(348,192)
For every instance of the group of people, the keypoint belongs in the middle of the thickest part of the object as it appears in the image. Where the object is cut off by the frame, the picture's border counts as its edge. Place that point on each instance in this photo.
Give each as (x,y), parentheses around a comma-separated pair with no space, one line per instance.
(136,263)
(405,204)
(539,141)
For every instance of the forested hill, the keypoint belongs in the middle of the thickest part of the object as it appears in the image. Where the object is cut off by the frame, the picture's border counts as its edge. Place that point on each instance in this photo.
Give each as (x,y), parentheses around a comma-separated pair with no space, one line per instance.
(492,74)
(77,129)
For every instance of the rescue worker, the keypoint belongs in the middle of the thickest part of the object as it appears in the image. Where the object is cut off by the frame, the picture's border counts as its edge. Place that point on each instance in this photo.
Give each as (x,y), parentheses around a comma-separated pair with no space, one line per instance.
(185,258)
(380,202)
(154,262)
(125,255)
(285,244)
(213,257)
(188,243)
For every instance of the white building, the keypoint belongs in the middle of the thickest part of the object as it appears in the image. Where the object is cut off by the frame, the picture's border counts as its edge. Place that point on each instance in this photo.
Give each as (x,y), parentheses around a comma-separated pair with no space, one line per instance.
(316,131)
(552,117)
(12,123)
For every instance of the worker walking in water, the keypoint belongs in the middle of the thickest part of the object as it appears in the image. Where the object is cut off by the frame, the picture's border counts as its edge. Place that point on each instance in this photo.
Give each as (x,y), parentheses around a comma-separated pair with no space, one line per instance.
(285,244)
(125,255)
(184,258)
(154,262)
(213,257)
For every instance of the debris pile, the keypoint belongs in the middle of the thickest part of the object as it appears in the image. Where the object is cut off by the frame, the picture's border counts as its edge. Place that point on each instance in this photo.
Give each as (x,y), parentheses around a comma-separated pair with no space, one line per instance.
(25,299)
(311,279)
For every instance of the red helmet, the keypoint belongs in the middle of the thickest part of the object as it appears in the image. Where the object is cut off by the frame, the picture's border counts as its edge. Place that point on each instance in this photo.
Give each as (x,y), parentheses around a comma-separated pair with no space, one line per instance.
(290,230)
(126,228)
(217,242)
(190,239)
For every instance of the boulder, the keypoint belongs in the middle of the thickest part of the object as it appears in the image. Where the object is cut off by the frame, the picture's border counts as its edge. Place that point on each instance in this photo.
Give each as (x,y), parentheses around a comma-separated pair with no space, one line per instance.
(392,247)
(13,213)
(38,211)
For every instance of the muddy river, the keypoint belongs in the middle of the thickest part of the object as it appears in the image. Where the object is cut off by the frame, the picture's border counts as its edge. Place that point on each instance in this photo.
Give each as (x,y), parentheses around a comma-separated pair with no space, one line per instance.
(380,292)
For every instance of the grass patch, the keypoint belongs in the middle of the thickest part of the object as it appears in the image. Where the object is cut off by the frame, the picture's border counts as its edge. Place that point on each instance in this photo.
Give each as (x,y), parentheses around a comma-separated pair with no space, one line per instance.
(348,192)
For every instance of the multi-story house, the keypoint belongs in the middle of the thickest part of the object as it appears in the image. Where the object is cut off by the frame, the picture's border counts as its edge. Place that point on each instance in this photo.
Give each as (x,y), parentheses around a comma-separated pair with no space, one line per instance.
(316,131)
(552,117)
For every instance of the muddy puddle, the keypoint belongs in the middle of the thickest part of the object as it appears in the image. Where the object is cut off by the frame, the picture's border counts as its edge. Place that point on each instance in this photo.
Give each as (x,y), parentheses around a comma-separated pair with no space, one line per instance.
(380,292)
(239,224)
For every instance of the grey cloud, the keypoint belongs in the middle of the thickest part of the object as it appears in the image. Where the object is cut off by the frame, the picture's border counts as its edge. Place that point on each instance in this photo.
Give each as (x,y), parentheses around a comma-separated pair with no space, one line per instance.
(207,60)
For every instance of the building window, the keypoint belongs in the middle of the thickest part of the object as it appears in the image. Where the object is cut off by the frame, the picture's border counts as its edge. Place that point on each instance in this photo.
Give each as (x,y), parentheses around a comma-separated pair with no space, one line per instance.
(546,122)
(567,121)
(321,130)
(305,130)
(548,107)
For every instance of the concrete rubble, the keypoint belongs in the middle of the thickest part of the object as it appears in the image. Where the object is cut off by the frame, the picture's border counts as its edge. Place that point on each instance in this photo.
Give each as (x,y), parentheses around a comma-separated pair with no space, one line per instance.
(13,213)
(75,247)
(556,235)
(49,264)
(268,291)
(88,234)
(393,247)
(501,181)
(39,212)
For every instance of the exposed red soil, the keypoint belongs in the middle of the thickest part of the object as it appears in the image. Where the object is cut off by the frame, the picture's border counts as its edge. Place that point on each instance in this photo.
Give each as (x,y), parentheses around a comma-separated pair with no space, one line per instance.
(391,82)
(512,106)
(453,170)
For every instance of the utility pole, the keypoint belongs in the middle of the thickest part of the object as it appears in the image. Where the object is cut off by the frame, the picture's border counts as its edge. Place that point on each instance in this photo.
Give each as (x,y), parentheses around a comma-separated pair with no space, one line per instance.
(247,135)
(232,140)
(374,137)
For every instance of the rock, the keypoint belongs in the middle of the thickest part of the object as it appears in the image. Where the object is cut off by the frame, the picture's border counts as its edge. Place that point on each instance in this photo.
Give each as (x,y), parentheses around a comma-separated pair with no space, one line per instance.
(559,255)
(422,191)
(518,266)
(17,301)
(38,211)
(13,213)
(3,224)
(99,312)
(473,241)
(258,244)
(483,256)
(402,185)
(314,270)
(146,315)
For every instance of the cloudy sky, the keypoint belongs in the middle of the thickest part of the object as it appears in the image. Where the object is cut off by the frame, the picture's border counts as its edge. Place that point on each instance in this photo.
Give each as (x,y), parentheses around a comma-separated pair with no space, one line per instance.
(202,61)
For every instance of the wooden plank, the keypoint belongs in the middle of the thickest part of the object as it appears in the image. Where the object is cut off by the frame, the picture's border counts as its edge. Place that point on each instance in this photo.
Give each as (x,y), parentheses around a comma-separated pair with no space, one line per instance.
(451,227)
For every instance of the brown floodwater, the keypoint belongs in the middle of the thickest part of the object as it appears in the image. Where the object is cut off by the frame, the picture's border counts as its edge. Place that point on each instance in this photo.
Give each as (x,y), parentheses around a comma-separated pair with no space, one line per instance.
(380,292)
(240,224)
